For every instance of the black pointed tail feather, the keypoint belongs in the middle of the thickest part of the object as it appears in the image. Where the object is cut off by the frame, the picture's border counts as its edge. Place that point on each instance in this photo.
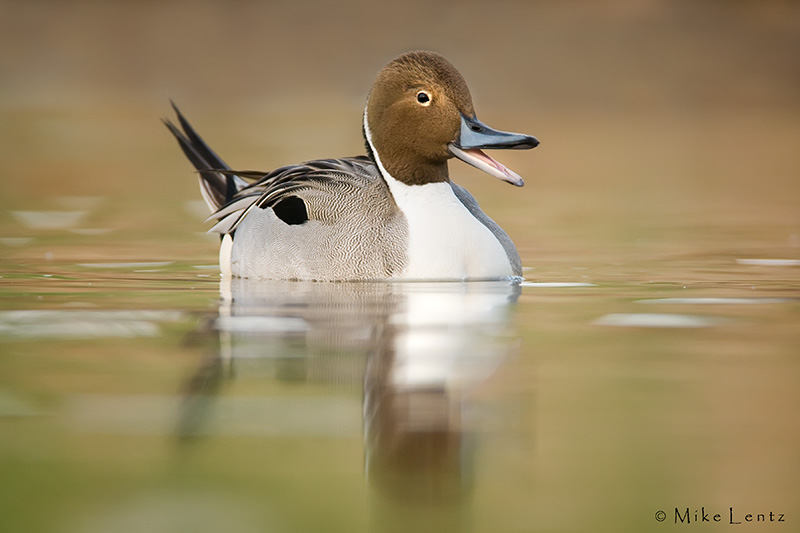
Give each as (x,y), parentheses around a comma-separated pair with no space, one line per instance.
(216,185)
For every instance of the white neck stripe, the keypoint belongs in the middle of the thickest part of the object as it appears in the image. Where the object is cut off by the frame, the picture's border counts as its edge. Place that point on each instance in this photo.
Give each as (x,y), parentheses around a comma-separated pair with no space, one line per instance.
(368,135)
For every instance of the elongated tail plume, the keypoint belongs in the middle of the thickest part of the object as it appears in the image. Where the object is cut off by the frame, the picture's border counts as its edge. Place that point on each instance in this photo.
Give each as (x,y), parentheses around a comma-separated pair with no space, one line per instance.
(217,186)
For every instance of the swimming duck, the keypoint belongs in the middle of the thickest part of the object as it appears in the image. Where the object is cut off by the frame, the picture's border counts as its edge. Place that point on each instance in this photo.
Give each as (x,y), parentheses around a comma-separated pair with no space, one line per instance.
(393,214)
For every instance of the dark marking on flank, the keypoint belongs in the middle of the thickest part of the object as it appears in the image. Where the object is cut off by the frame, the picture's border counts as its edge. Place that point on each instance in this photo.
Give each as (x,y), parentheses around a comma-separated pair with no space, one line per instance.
(291,210)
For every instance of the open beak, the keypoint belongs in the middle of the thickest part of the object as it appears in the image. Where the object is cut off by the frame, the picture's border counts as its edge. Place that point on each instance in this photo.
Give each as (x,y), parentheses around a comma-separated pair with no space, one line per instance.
(476,135)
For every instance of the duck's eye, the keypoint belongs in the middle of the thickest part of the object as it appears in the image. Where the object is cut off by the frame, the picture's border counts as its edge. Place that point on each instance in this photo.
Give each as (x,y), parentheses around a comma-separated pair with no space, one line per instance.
(424,98)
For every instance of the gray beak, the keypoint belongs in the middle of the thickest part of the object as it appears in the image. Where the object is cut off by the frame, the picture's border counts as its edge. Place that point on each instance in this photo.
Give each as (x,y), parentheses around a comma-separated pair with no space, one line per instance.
(476,135)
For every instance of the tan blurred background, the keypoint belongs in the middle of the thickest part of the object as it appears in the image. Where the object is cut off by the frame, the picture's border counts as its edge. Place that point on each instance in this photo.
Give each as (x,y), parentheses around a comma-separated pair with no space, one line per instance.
(670,148)
(667,127)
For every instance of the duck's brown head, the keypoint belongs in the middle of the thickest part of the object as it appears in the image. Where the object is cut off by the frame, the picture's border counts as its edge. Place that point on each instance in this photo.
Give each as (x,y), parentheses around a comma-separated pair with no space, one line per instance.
(419,114)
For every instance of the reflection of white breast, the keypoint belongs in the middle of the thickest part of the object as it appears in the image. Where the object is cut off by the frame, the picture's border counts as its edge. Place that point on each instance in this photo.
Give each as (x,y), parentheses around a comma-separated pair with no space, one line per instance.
(445,240)
(449,338)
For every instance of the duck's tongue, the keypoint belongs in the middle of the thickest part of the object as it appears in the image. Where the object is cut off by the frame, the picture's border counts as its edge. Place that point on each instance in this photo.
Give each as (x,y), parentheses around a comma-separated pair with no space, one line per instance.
(479,160)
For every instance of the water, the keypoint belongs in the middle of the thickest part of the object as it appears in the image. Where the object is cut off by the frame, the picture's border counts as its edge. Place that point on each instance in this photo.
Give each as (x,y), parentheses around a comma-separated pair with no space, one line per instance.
(647,364)
(153,395)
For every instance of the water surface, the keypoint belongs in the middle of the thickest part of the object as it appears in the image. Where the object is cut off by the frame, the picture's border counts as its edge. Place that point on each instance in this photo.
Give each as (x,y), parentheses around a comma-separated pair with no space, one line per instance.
(155,395)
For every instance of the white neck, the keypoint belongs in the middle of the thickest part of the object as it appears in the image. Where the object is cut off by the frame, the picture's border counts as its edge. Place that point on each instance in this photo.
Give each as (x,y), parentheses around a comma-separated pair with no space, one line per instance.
(445,240)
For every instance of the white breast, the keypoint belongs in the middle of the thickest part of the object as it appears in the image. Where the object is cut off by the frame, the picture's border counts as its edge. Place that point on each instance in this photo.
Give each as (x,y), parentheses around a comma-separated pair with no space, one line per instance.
(445,240)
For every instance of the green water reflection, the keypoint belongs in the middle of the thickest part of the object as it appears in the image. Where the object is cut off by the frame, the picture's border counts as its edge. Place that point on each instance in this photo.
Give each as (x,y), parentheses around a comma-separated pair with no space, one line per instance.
(253,406)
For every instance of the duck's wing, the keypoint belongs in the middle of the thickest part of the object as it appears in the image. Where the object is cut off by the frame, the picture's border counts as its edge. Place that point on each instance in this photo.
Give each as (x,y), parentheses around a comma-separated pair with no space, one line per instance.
(315,190)
(331,219)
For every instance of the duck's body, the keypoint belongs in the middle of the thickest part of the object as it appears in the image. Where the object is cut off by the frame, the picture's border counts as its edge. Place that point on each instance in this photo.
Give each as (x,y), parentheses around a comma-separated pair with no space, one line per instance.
(391,215)
(347,228)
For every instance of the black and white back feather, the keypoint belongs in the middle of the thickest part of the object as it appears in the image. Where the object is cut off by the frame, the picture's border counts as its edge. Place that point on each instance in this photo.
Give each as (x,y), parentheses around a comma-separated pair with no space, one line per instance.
(305,220)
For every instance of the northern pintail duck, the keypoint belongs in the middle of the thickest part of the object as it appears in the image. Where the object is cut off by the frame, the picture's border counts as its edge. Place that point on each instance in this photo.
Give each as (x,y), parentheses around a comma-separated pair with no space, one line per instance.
(393,214)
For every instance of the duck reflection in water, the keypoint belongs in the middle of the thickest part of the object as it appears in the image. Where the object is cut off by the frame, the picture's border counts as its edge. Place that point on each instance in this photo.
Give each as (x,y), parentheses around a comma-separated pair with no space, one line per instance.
(421,352)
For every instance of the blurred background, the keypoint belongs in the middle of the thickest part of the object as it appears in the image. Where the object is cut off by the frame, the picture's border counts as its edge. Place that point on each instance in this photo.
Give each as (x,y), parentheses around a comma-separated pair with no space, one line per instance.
(666,126)
(669,166)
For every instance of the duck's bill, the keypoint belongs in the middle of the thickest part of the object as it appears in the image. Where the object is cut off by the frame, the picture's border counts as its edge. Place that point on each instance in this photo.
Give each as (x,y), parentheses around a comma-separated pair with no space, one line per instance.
(475,136)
